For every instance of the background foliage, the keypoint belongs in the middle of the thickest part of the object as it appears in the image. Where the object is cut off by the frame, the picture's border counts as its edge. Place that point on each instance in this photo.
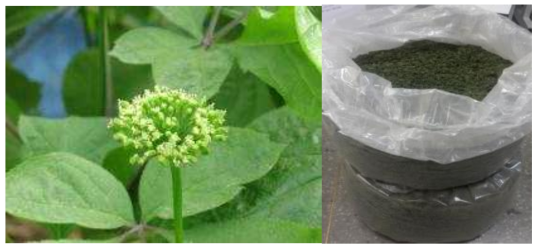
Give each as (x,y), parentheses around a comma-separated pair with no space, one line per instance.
(68,180)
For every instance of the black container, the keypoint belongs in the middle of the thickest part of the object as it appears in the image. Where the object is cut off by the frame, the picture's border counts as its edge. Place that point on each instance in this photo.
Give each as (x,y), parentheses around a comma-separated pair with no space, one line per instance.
(418,174)
(448,215)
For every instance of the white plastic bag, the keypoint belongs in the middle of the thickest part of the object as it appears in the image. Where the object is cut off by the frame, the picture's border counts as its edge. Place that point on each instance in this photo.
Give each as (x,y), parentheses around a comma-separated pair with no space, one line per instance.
(425,124)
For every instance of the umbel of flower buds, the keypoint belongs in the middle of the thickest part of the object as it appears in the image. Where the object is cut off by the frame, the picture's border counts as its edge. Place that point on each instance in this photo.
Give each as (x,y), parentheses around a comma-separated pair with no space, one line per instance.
(169,124)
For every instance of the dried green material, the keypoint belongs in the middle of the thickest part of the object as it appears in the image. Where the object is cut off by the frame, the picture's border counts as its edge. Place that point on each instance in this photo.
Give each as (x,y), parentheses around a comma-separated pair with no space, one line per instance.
(460,69)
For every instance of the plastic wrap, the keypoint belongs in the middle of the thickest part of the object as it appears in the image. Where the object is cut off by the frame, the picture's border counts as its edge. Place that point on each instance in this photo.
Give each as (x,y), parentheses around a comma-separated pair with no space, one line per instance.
(426,125)
(376,164)
(449,215)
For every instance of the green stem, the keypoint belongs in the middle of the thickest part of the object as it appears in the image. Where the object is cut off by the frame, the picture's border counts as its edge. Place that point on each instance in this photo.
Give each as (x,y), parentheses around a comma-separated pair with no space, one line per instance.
(105,61)
(229,26)
(84,15)
(209,36)
(176,172)
(11,127)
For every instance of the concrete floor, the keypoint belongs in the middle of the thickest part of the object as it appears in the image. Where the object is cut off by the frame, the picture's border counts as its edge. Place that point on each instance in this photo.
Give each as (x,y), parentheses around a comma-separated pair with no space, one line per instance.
(342,224)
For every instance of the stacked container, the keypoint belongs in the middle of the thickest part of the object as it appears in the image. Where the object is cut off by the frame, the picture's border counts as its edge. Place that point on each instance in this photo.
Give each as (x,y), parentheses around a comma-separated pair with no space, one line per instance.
(426,165)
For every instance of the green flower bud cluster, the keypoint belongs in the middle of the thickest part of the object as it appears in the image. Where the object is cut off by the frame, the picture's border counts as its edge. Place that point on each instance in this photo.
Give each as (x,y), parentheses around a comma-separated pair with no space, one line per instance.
(174,126)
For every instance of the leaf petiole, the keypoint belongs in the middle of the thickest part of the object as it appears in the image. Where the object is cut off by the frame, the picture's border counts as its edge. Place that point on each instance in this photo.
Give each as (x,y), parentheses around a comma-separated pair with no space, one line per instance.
(229,26)
(11,127)
(209,37)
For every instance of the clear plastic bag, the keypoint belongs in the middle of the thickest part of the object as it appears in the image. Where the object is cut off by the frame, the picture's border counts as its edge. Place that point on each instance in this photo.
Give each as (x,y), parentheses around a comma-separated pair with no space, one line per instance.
(424,175)
(428,125)
(449,215)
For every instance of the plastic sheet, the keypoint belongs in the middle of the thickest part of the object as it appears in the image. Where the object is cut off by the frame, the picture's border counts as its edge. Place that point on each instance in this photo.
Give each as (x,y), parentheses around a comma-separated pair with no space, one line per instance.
(426,125)
(376,164)
(449,215)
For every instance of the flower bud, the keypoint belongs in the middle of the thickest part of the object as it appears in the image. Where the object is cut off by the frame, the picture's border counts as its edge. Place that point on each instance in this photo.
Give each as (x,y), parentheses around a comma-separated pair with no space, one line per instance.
(171,125)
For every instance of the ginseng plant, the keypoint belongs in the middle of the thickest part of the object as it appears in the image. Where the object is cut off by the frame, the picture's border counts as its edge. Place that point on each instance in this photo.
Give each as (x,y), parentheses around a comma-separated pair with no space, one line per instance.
(173,126)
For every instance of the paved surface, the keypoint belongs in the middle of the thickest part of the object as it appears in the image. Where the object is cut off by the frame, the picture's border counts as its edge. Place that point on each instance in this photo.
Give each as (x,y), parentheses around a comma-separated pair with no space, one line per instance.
(342,224)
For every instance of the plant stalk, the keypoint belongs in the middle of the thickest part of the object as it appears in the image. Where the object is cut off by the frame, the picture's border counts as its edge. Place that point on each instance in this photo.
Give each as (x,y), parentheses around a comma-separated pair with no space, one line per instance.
(106,62)
(229,26)
(176,173)
(11,127)
(209,36)
(84,16)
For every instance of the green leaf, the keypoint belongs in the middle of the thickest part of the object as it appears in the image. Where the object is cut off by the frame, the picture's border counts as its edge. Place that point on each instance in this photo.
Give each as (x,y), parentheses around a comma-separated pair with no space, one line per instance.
(288,70)
(214,180)
(177,61)
(65,188)
(285,126)
(244,96)
(264,28)
(13,111)
(13,150)
(21,90)
(309,32)
(18,17)
(294,191)
(269,48)
(112,240)
(13,144)
(253,230)
(117,162)
(58,231)
(316,11)
(197,71)
(86,137)
(293,187)
(235,11)
(84,92)
(190,19)
(148,45)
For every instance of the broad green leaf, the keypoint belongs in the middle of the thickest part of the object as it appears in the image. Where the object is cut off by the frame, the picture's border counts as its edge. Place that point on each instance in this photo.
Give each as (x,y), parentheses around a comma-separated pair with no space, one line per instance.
(58,231)
(269,48)
(84,92)
(235,11)
(130,80)
(130,14)
(86,137)
(177,61)
(13,111)
(293,187)
(244,96)
(117,162)
(264,28)
(105,235)
(288,70)
(190,18)
(13,144)
(214,180)
(285,126)
(309,32)
(148,45)
(112,240)
(197,71)
(65,188)
(316,11)
(21,90)
(13,150)
(18,17)
(253,230)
